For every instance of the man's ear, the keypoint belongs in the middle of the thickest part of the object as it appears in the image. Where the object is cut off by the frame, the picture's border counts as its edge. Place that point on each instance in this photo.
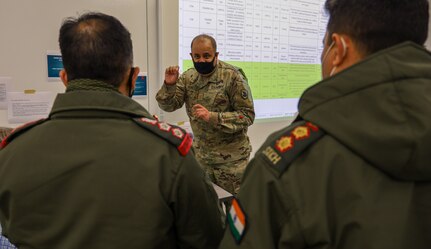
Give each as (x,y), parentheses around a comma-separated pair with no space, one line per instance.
(341,49)
(63,77)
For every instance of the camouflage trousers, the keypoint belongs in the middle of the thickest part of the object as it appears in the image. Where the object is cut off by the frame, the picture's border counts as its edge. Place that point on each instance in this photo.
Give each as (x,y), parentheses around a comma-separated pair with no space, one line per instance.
(226,175)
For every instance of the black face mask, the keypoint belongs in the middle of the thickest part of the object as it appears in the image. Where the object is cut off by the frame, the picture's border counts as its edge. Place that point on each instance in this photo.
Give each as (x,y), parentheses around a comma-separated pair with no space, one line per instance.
(204,67)
(129,82)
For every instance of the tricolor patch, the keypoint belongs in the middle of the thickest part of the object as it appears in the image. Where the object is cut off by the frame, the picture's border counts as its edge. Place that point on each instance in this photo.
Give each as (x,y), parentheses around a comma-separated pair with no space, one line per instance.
(237,221)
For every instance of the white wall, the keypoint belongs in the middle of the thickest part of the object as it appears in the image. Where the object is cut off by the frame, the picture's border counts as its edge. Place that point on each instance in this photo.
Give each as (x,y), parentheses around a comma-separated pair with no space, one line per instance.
(28,29)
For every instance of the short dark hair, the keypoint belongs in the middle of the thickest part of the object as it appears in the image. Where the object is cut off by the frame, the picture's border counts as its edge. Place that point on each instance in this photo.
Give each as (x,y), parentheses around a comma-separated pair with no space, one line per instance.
(203,37)
(96,46)
(378,24)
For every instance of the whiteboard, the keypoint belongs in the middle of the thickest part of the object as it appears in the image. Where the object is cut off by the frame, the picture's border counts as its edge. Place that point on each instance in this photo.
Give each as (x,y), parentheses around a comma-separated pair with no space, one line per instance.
(277,43)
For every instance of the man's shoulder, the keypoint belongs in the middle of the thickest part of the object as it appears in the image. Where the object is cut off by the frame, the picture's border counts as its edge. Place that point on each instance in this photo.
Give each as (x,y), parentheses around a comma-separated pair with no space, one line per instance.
(19,131)
(284,146)
(191,70)
(228,67)
(190,75)
(174,135)
(232,70)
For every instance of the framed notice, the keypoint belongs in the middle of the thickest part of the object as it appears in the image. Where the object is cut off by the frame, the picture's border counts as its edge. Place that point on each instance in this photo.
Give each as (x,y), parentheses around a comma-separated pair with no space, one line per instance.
(54,65)
(141,85)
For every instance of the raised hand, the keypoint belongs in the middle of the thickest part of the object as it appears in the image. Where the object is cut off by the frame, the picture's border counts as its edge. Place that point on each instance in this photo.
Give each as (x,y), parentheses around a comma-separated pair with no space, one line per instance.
(171,75)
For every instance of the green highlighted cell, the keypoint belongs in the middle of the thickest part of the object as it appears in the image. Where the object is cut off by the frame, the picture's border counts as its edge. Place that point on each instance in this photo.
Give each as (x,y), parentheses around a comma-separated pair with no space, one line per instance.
(270,80)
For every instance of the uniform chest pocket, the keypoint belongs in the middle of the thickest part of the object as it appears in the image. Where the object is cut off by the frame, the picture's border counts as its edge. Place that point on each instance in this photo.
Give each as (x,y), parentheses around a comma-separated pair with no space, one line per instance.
(216,97)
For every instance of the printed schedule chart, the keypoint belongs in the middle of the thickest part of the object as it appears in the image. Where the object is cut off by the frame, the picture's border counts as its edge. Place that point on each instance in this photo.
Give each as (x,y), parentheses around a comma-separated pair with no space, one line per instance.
(278,43)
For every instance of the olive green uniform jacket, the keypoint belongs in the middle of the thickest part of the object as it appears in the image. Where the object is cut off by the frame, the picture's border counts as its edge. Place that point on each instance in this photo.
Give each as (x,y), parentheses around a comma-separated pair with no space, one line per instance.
(365,182)
(95,175)
(226,94)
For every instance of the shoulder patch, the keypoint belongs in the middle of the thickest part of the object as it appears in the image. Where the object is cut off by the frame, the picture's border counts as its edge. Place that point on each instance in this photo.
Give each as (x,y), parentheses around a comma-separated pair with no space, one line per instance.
(244,94)
(173,134)
(286,147)
(19,130)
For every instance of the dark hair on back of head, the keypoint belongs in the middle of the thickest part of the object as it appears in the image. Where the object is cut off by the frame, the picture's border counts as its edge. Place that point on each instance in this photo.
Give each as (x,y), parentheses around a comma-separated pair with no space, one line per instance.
(203,37)
(96,46)
(378,24)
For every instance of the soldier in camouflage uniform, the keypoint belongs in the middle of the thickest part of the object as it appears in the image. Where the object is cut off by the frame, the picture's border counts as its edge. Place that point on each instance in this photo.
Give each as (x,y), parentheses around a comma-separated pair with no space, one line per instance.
(220,107)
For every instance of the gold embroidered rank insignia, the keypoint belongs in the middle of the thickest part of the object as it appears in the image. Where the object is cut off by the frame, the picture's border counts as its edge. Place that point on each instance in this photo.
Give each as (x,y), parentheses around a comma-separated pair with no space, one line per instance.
(301,132)
(288,144)
(171,133)
(178,133)
(283,144)
(164,126)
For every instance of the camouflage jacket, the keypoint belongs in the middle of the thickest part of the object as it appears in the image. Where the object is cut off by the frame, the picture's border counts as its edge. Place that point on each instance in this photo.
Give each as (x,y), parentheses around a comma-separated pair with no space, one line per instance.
(226,94)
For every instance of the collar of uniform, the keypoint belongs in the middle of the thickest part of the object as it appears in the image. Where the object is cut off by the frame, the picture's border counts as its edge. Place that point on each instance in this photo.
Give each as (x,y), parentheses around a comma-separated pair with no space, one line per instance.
(89,85)
(384,66)
(105,103)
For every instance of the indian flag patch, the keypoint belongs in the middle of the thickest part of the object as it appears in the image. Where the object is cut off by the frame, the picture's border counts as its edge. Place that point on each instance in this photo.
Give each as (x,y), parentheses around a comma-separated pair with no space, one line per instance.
(237,220)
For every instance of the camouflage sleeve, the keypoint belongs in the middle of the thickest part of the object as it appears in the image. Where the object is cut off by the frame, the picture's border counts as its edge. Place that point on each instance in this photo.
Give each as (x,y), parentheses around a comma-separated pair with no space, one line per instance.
(242,114)
(171,97)
(198,218)
(265,217)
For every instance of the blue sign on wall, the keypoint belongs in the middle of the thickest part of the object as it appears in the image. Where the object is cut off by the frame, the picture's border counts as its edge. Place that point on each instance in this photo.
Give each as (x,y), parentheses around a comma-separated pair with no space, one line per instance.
(141,86)
(55,65)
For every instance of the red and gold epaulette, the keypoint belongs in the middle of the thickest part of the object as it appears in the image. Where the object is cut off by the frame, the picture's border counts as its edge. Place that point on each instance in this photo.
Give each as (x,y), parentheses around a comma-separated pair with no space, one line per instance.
(288,144)
(173,134)
(19,130)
